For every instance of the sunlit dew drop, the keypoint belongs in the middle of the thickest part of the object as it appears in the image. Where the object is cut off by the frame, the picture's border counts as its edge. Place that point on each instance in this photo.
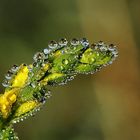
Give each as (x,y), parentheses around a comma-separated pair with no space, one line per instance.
(35,64)
(39,56)
(84,42)
(43,64)
(98,45)
(74,42)
(101,45)
(110,62)
(53,44)
(61,67)
(98,68)
(63,42)
(76,56)
(14,68)
(65,61)
(97,54)
(93,46)
(33,84)
(29,68)
(113,49)
(92,60)
(46,51)
(63,51)
(70,78)
(9,75)
(5,83)
(103,48)
(74,48)
(90,53)
(48,94)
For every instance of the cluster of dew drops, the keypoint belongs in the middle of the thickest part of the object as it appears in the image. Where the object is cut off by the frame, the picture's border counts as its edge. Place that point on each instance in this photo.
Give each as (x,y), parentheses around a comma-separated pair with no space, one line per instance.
(53,45)
(42,57)
(9,75)
(11,132)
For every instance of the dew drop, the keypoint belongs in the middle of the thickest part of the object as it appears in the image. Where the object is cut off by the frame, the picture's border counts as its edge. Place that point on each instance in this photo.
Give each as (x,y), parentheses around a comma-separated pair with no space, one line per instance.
(9,75)
(100,43)
(113,49)
(39,56)
(93,46)
(65,61)
(63,42)
(53,44)
(33,84)
(74,42)
(61,67)
(76,56)
(21,119)
(35,64)
(14,121)
(24,64)
(43,100)
(100,46)
(97,54)
(110,62)
(92,59)
(5,83)
(70,78)
(14,68)
(103,48)
(90,53)
(48,94)
(46,51)
(62,51)
(84,42)
(29,68)
(35,95)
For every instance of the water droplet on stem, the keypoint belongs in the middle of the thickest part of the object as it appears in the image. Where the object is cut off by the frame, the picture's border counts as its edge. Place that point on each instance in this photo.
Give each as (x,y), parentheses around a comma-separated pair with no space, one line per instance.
(63,42)
(74,42)
(53,44)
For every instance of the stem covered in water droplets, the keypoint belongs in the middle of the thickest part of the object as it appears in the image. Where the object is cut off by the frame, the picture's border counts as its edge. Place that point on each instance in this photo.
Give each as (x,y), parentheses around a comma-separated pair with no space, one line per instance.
(26,85)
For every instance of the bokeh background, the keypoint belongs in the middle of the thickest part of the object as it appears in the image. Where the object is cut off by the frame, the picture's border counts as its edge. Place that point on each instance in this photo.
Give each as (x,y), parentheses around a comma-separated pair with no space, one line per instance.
(104,106)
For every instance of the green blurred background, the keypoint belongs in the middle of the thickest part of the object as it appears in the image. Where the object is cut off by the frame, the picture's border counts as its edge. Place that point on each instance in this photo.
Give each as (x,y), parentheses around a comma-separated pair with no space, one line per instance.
(104,106)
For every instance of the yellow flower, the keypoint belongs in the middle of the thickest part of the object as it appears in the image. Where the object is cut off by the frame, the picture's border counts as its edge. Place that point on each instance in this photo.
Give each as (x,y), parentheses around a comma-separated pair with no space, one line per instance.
(26,107)
(21,77)
(6,101)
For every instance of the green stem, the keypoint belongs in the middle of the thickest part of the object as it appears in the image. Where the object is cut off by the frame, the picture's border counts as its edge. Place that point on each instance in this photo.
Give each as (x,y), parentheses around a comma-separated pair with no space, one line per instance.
(7,133)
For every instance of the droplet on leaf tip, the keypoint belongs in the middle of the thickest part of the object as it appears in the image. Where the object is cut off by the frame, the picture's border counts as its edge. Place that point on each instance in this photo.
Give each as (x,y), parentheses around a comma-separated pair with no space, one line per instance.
(9,75)
(63,42)
(39,56)
(100,43)
(5,83)
(65,61)
(53,44)
(74,42)
(46,51)
(84,42)
(14,68)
